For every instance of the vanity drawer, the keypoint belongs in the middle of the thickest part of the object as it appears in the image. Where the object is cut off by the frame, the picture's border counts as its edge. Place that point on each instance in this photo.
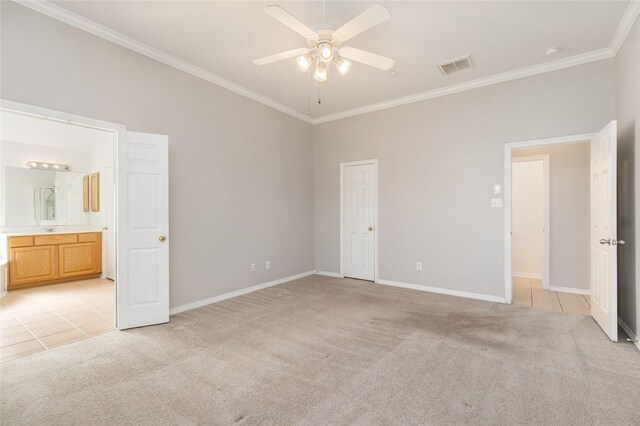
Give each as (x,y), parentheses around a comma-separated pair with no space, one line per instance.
(85,238)
(20,241)
(44,240)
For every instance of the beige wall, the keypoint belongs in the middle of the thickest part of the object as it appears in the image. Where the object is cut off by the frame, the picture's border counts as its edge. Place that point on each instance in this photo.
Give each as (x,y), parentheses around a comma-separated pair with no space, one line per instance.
(240,173)
(439,160)
(569,220)
(627,113)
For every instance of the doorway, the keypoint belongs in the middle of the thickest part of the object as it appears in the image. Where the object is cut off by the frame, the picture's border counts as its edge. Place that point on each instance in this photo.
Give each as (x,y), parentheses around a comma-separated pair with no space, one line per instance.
(55,199)
(359,220)
(530,216)
(578,258)
(133,223)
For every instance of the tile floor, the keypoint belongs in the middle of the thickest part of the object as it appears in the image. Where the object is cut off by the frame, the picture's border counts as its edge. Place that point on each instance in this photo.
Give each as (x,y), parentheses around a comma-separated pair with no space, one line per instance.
(529,292)
(40,318)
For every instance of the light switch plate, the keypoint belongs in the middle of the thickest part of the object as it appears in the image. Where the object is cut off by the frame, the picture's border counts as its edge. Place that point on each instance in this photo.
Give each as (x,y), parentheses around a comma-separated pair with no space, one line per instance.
(497,189)
(267,264)
(496,203)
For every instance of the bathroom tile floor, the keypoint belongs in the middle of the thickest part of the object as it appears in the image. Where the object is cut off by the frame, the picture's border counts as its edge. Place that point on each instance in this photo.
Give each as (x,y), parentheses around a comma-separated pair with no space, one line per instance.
(529,292)
(40,318)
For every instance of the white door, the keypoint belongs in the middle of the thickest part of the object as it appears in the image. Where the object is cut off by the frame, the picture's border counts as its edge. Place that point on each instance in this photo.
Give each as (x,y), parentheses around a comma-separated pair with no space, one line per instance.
(109,235)
(358,221)
(142,272)
(604,284)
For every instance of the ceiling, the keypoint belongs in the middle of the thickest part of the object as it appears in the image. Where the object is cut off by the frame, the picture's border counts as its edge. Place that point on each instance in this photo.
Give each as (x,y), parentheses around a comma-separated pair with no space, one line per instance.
(35,131)
(223,37)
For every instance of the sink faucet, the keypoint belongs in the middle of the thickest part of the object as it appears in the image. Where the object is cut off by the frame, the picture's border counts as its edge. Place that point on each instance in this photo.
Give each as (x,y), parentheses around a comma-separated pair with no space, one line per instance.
(49,228)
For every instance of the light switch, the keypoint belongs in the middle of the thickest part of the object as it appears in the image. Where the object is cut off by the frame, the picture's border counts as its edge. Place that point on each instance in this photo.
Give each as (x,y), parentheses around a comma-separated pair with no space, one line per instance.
(497,189)
(496,202)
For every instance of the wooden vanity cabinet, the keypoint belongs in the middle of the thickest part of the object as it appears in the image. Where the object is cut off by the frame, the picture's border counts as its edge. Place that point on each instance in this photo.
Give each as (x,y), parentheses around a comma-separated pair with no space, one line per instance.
(32,264)
(45,259)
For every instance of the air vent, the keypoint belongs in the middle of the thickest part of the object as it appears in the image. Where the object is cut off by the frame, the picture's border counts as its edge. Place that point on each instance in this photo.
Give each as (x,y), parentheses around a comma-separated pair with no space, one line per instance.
(457,64)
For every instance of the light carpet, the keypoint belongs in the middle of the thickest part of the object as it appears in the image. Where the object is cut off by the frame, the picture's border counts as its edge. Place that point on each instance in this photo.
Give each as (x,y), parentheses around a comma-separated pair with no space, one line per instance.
(329,351)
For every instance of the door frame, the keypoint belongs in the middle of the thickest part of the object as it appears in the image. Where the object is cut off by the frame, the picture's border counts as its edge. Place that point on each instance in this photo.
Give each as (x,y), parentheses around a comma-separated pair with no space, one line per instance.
(374,162)
(546,207)
(77,120)
(508,152)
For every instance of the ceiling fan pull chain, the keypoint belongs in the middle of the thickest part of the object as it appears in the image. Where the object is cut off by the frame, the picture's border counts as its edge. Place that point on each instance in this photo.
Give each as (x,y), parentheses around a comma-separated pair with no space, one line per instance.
(324,12)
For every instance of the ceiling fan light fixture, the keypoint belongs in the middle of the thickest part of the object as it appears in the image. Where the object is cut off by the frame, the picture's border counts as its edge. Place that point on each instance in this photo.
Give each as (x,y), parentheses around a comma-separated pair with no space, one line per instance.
(325,52)
(305,61)
(343,66)
(321,72)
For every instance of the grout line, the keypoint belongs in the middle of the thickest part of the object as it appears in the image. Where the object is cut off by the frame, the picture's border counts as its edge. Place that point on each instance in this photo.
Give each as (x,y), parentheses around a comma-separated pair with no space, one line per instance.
(74,326)
(31,332)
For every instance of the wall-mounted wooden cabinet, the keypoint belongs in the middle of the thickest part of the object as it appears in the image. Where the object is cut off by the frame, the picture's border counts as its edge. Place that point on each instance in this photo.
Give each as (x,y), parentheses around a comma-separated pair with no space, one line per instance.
(91,193)
(95,192)
(85,194)
(46,259)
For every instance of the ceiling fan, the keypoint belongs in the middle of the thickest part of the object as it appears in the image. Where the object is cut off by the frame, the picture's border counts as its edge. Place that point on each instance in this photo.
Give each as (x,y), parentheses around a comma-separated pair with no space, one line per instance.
(326,45)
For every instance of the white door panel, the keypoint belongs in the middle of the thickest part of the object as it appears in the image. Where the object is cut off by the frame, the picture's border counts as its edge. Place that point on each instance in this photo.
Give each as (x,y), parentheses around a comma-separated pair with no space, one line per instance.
(358,220)
(604,285)
(109,220)
(143,224)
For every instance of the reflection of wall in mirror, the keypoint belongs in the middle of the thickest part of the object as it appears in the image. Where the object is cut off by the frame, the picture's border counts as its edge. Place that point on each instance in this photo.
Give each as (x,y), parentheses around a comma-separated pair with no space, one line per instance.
(44,198)
(15,154)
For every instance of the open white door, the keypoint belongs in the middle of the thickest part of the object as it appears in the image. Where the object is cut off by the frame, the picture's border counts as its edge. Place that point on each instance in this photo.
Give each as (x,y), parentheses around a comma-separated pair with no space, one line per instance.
(142,267)
(604,281)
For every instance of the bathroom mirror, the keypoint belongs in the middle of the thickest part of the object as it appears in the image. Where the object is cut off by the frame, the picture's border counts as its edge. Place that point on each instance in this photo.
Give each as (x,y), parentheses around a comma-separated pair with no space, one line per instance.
(43,198)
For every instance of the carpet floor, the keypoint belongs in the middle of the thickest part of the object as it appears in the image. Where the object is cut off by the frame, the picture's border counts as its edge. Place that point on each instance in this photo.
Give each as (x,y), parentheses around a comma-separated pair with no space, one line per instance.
(328,351)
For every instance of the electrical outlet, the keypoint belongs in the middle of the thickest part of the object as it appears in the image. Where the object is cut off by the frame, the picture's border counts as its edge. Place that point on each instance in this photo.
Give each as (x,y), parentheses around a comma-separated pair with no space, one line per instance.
(418,266)
(496,202)
(267,264)
(253,267)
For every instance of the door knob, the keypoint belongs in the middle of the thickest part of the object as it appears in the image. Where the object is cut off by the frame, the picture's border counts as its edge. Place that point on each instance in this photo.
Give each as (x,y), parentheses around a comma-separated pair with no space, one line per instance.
(619,242)
(162,238)
(371,228)
(605,241)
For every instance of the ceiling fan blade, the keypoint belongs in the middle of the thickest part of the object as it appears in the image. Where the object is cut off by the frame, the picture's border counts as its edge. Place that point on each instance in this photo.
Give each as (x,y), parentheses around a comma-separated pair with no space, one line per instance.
(284,17)
(361,23)
(281,56)
(367,58)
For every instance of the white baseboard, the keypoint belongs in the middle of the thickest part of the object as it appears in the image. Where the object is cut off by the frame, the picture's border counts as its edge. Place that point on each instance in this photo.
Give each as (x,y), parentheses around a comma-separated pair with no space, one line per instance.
(448,292)
(629,332)
(210,300)
(329,274)
(573,290)
(527,275)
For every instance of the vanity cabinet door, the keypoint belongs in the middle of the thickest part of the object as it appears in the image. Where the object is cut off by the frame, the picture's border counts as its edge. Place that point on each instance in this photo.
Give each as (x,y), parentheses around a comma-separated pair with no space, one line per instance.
(79,259)
(32,264)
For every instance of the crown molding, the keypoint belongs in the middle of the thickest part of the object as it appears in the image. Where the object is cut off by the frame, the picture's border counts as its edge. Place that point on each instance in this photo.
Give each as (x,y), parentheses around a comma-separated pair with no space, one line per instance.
(94,28)
(572,61)
(624,27)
